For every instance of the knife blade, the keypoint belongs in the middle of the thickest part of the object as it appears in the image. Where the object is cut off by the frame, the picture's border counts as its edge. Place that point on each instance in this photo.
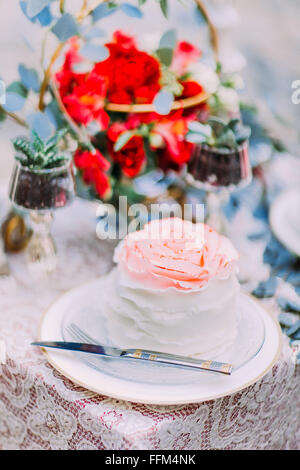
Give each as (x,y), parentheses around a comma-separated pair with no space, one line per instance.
(139,354)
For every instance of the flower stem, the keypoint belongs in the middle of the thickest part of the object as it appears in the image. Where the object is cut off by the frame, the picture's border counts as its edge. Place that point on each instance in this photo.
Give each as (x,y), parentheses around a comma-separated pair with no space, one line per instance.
(213,32)
(14,117)
(78,131)
(81,14)
(93,6)
(47,76)
(62,6)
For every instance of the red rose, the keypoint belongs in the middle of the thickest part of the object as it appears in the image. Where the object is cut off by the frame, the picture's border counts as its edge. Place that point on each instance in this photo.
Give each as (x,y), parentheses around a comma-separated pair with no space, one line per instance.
(167,135)
(82,94)
(120,38)
(66,78)
(85,101)
(115,130)
(173,129)
(132,76)
(169,160)
(101,183)
(93,167)
(190,88)
(131,157)
(184,54)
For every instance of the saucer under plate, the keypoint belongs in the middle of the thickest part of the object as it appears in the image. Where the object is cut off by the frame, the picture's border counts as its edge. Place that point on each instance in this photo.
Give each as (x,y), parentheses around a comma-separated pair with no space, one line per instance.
(252,355)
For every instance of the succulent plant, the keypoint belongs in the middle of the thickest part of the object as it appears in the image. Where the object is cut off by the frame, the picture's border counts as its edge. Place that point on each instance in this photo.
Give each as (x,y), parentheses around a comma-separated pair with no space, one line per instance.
(37,154)
(218,133)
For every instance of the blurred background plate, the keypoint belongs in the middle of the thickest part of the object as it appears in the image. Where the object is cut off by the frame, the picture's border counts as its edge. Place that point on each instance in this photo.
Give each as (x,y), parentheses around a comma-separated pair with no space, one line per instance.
(285,219)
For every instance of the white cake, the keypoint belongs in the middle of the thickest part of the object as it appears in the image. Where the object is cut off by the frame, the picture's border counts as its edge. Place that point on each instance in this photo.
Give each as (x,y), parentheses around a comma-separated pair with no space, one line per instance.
(174,290)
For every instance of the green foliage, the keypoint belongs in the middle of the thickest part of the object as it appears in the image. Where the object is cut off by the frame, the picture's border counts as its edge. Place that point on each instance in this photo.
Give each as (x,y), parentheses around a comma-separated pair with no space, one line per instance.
(164,7)
(38,154)
(169,81)
(123,139)
(2,115)
(19,88)
(217,133)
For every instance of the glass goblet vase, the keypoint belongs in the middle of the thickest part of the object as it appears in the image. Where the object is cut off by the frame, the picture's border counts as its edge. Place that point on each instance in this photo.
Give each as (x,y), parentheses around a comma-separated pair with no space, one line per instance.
(218,172)
(39,192)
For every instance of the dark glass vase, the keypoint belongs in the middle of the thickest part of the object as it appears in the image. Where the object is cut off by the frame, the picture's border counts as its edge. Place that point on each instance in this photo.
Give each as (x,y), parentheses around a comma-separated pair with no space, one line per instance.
(41,190)
(39,193)
(213,168)
(218,172)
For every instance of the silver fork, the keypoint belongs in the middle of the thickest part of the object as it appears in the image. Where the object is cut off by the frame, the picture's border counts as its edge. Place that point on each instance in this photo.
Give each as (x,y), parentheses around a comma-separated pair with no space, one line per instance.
(208,365)
(78,334)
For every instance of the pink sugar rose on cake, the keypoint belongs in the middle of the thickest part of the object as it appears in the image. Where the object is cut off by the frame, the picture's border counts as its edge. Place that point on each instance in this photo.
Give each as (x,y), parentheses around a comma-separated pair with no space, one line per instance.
(176,253)
(174,289)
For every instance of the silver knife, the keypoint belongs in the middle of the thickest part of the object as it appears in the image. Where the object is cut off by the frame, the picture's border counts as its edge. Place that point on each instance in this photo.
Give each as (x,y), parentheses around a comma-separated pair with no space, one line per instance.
(140,354)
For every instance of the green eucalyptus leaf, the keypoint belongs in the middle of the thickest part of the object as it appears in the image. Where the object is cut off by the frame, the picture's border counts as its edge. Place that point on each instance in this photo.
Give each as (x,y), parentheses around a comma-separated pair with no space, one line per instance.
(34,7)
(195,138)
(165,55)
(168,39)
(164,7)
(143,130)
(13,102)
(198,127)
(169,82)
(29,78)
(163,102)
(55,115)
(66,27)
(91,33)
(94,52)
(39,122)
(131,10)
(123,139)
(2,115)
(19,88)
(103,10)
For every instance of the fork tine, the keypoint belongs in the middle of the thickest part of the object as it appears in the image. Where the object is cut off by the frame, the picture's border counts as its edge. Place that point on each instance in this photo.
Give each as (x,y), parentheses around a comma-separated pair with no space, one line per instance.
(83,334)
(73,332)
(76,332)
(79,335)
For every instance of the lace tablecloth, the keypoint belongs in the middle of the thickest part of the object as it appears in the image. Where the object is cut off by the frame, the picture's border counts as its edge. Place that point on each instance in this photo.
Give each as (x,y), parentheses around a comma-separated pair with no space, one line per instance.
(41,409)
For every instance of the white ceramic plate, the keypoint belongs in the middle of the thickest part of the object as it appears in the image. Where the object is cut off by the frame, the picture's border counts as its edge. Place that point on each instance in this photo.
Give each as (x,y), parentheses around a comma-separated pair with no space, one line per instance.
(285,219)
(253,355)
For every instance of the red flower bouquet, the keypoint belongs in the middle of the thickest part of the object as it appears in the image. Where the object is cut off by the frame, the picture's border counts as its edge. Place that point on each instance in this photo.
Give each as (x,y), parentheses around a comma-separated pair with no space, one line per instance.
(127,111)
(132,76)
(121,145)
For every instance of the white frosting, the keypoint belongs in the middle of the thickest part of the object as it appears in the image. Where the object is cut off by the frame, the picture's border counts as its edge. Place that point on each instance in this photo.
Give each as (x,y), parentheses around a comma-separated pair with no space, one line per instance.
(200,323)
